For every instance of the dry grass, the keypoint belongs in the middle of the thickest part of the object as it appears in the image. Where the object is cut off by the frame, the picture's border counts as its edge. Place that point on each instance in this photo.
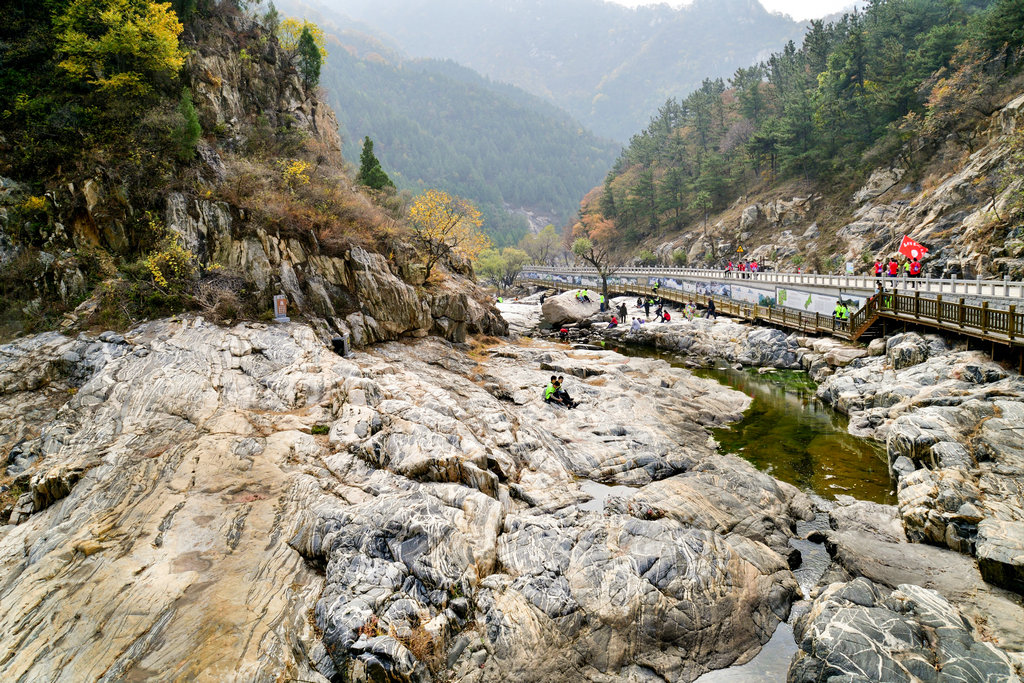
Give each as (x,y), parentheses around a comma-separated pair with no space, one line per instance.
(425,647)
(326,209)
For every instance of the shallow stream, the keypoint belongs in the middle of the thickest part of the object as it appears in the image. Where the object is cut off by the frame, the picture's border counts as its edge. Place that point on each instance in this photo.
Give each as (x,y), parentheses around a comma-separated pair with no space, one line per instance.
(790,434)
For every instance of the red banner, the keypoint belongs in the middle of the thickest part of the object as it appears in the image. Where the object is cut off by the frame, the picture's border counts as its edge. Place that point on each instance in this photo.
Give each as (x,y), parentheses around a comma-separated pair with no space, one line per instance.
(912,249)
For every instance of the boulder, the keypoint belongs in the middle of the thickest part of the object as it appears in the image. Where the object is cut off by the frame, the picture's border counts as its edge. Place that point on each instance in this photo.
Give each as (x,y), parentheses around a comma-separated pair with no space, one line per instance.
(1000,551)
(844,355)
(564,308)
(905,350)
(861,631)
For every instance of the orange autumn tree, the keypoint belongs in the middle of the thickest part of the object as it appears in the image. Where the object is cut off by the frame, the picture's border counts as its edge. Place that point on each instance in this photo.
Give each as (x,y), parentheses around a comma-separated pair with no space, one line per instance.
(594,240)
(444,225)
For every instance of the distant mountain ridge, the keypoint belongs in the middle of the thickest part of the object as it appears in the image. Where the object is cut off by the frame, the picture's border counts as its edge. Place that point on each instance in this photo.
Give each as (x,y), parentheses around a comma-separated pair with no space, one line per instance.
(438,124)
(607,65)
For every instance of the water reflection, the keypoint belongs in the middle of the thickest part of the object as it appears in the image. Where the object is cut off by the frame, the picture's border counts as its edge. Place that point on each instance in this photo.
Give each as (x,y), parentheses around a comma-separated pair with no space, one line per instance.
(790,434)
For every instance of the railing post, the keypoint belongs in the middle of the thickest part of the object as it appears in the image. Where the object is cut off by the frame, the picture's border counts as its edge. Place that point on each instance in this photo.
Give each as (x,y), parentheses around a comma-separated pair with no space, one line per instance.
(961,313)
(1011,316)
(917,304)
(938,308)
(984,316)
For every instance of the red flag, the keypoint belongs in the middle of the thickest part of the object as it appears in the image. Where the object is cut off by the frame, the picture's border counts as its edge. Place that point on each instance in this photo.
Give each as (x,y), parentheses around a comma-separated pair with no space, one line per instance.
(912,249)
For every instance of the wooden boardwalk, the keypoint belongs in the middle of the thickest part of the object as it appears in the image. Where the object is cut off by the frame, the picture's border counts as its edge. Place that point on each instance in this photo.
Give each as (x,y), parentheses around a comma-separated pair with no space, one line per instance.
(996,325)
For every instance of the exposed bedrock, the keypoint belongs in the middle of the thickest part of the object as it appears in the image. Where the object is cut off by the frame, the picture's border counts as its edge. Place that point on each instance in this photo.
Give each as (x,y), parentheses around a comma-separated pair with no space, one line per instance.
(859,631)
(242,504)
(952,422)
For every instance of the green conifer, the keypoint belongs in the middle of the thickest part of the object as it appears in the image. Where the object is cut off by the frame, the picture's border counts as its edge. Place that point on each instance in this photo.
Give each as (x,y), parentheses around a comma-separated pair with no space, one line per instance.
(370,172)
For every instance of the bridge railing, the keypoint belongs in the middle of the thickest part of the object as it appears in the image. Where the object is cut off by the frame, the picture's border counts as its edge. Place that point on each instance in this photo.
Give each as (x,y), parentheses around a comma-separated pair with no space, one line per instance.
(1005,325)
(998,289)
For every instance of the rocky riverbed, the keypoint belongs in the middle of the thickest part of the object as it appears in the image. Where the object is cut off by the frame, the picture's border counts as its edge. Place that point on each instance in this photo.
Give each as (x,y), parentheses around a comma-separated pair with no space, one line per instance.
(190,501)
(950,420)
(213,503)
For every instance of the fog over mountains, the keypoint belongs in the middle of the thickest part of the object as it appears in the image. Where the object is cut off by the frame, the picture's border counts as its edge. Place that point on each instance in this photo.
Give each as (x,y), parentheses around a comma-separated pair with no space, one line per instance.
(607,65)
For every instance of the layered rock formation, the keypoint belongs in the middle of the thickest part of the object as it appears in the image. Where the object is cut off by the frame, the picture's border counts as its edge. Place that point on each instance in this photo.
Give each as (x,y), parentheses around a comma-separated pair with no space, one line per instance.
(951,422)
(860,632)
(182,513)
(360,294)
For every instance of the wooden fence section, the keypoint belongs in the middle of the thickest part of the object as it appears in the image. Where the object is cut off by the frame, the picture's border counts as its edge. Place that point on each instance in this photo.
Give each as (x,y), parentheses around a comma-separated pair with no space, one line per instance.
(1005,326)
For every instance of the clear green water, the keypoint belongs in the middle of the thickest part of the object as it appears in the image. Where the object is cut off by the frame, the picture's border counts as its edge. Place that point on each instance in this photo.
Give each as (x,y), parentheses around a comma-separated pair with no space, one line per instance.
(790,434)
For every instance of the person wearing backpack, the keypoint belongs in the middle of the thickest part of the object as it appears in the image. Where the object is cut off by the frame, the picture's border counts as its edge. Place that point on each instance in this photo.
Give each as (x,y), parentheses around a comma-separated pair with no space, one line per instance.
(894,268)
(915,268)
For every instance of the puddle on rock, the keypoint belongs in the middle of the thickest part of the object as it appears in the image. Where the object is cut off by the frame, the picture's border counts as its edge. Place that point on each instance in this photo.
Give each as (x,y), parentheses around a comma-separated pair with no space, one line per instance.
(602,492)
(770,665)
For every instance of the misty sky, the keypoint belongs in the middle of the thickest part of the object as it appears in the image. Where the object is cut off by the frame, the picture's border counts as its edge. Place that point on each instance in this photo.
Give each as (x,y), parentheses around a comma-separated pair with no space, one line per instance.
(798,9)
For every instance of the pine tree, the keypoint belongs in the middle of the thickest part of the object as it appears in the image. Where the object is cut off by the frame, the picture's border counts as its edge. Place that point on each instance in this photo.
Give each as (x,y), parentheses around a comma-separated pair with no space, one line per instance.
(370,172)
(310,59)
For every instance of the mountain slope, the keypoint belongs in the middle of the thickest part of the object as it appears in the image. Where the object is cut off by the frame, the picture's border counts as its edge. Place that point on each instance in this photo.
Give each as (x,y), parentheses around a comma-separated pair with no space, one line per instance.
(433,130)
(607,65)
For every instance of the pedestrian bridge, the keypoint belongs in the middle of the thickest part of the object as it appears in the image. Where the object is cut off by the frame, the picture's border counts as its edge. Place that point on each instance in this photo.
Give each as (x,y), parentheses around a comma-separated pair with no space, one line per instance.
(983,309)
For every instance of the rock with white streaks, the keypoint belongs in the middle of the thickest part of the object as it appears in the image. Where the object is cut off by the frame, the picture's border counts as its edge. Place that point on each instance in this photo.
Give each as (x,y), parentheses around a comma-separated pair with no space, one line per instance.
(859,631)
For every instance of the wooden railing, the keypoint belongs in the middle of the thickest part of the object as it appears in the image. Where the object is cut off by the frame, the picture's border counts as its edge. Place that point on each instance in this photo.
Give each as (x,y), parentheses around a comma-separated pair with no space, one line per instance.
(995,324)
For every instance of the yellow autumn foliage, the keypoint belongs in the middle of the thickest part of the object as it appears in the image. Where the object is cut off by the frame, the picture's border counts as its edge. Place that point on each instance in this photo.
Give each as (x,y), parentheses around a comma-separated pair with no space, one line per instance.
(119,46)
(290,30)
(295,172)
(444,225)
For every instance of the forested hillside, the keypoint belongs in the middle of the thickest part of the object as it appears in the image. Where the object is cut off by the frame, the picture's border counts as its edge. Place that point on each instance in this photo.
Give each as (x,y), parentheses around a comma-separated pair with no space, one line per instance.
(608,66)
(886,87)
(436,124)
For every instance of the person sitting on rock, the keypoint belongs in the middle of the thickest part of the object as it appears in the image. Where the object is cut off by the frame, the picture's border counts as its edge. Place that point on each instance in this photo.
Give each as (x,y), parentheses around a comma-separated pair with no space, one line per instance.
(586,296)
(635,327)
(551,390)
(562,394)
(563,334)
(666,316)
(613,323)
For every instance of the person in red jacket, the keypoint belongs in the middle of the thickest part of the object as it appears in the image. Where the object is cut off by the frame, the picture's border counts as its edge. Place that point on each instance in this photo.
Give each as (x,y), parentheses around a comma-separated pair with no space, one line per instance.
(915,268)
(878,268)
(894,268)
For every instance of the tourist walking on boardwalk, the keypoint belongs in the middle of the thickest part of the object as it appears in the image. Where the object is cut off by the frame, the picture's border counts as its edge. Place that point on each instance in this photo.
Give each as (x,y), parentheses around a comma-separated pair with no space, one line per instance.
(894,268)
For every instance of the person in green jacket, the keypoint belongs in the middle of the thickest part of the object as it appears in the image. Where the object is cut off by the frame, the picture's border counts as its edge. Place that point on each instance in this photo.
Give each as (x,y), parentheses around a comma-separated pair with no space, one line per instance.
(604,306)
(550,390)
(554,394)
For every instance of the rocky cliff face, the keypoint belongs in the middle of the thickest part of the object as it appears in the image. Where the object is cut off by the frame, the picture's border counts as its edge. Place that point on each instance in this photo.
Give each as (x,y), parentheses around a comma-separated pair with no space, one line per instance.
(256,115)
(360,294)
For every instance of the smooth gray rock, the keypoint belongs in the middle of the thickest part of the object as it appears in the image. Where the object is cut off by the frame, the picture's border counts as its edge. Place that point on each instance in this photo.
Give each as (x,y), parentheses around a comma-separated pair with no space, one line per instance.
(1000,551)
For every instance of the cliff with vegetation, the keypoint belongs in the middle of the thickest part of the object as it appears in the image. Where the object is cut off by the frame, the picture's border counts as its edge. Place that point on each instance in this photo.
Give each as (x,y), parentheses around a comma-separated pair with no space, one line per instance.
(159,160)
(903,119)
